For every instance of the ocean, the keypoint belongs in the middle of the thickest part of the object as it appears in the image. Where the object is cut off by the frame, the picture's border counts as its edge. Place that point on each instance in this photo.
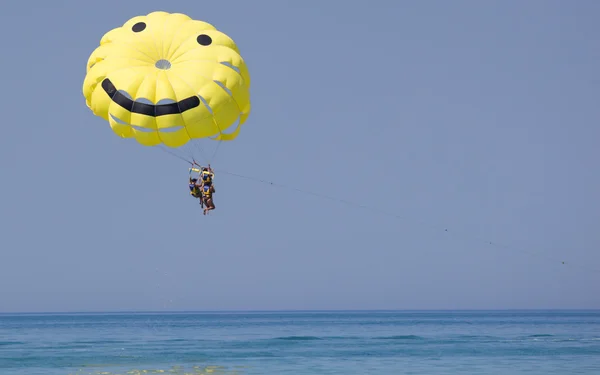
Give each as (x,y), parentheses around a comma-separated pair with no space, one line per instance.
(302,343)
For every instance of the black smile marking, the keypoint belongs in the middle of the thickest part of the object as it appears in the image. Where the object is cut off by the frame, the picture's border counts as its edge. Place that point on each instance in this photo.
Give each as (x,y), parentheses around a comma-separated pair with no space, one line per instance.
(148,109)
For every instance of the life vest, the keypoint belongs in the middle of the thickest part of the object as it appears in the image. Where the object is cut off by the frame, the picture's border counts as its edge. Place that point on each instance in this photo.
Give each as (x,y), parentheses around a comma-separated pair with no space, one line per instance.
(207,192)
(194,190)
(206,177)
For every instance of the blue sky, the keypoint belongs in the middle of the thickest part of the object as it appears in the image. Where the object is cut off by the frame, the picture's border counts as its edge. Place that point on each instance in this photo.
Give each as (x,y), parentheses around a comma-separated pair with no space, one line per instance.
(476,117)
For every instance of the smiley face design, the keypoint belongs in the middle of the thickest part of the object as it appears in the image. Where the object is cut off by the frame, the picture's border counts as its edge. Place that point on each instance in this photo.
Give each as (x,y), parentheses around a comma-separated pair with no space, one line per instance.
(165,78)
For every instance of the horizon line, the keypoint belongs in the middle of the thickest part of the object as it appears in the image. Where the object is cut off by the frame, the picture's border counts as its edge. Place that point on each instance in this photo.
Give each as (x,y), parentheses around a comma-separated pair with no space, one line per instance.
(133,312)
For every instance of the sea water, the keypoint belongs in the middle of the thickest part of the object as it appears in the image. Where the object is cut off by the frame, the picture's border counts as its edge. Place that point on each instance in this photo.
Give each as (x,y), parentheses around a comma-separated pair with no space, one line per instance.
(384,342)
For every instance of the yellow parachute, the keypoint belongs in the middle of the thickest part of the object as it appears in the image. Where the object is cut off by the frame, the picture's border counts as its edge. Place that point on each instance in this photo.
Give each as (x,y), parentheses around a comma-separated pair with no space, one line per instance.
(165,79)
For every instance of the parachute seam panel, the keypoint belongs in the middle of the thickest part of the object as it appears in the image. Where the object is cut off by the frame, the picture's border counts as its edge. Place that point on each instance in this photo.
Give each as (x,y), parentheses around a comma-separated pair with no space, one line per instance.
(173,38)
(170,83)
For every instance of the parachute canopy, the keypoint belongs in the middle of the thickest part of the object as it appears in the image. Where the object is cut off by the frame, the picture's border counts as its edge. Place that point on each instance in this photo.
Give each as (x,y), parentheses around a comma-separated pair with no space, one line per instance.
(166,79)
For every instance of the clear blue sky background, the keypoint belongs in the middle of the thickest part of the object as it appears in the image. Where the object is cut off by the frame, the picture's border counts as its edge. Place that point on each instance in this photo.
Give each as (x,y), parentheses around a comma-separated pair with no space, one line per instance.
(480,117)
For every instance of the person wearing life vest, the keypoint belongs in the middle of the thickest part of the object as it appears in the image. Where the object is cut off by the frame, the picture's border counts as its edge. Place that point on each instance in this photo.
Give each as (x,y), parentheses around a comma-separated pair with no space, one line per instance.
(207,175)
(207,197)
(195,189)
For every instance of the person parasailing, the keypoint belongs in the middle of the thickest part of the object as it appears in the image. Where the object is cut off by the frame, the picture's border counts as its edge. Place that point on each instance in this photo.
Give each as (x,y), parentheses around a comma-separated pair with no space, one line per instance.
(207,197)
(203,187)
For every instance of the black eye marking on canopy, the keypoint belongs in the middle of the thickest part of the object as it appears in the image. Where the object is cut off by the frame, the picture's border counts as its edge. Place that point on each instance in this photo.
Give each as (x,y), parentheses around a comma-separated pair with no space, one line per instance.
(153,110)
(140,26)
(204,40)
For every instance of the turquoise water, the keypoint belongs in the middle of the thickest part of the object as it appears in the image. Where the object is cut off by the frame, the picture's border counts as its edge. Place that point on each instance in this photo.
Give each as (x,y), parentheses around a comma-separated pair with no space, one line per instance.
(479,342)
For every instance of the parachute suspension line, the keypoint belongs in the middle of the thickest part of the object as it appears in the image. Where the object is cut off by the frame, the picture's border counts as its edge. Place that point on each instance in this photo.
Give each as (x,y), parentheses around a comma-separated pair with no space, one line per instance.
(186,151)
(396,216)
(200,149)
(216,150)
(189,149)
(162,148)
